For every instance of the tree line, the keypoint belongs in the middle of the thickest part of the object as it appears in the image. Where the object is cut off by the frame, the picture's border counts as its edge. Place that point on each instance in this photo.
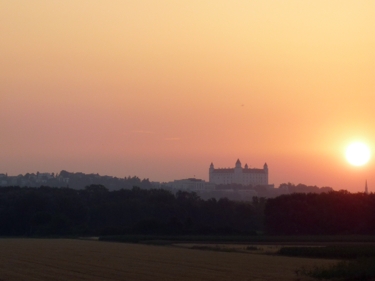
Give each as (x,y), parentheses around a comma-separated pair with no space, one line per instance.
(332,213)
(73,180)
(95,210)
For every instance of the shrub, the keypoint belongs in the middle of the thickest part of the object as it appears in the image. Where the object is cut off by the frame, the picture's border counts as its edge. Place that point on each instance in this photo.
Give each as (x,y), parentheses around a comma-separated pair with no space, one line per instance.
(330,252)
(360,269)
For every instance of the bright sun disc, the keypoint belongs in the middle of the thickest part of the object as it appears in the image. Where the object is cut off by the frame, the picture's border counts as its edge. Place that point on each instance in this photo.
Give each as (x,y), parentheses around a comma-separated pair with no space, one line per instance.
(358,154)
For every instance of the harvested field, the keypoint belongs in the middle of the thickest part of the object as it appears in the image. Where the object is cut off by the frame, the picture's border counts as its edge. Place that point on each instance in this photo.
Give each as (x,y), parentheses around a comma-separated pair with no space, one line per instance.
(260,249)
(63,259)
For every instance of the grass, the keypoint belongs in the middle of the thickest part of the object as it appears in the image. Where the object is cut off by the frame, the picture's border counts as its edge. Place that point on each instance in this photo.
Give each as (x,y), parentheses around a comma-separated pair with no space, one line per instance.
(330,252)
(241,238)
(68,259)
(228,248)
(252,248)
(358,263)
(360,269)
(215,248)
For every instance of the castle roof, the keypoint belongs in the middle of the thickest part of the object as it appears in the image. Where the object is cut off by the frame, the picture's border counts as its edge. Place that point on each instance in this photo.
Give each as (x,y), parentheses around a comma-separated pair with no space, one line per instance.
(229,171)
(251,171)
(246,169)
(223,170)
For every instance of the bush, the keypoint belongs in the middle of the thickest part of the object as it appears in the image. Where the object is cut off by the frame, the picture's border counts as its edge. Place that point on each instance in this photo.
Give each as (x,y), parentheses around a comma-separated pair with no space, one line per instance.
(360,269)
(330,252)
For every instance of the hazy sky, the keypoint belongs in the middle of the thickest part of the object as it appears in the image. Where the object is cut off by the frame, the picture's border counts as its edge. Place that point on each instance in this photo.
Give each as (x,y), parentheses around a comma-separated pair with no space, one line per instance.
(160,89)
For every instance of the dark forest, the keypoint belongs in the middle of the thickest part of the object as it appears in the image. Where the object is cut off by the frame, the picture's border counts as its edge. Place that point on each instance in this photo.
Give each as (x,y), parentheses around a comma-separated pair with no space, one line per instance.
(95,210)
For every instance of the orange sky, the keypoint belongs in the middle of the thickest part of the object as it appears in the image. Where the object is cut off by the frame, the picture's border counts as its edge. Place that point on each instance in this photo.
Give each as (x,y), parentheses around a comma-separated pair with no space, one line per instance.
(160,89)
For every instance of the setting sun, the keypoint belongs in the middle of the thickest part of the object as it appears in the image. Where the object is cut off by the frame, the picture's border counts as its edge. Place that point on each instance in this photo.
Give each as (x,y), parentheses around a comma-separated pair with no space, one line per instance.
(358,154)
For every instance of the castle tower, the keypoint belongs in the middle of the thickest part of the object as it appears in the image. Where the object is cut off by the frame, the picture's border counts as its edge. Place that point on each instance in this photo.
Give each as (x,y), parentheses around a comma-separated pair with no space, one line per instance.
(265,168)
(211,166)
(238,172)
(366,189)
(210,171)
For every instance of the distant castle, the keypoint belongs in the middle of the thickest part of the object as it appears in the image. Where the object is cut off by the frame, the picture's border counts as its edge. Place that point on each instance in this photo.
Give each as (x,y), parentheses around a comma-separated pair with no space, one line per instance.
(239,175)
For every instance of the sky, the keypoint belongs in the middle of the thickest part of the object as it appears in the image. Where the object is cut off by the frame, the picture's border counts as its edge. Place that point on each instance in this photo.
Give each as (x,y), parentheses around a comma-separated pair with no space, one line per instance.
(160,89)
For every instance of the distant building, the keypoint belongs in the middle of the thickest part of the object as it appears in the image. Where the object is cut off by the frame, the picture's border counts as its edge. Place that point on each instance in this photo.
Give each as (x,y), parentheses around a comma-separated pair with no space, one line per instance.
(191,184)
(43,178)
(155,184)
(3,179)
(239,175)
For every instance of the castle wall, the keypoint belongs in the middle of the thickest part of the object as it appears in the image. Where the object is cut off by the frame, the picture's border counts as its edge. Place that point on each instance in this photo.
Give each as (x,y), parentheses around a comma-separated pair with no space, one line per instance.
(239,175)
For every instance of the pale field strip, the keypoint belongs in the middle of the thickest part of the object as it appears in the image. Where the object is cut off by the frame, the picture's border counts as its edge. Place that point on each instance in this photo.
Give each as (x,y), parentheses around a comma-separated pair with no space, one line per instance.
(244,248)
(64,259)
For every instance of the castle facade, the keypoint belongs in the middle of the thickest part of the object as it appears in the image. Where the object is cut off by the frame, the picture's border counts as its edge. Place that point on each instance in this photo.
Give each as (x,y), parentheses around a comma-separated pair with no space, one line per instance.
(239,175)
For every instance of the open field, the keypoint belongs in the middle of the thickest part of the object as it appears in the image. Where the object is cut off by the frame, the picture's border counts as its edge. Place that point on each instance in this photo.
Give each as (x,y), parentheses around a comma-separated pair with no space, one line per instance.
(239,248)
(63,259)
(240,239)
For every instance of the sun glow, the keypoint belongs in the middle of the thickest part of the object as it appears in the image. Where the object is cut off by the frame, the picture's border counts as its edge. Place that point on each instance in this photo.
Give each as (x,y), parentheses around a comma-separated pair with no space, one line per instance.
(358,153)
